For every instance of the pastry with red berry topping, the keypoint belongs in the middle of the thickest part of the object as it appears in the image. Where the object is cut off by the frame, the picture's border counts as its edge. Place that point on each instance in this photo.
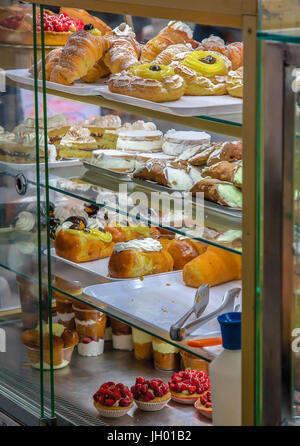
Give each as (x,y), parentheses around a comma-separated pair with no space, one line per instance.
(113,400)
(150,395)
(203,405)
(188,385)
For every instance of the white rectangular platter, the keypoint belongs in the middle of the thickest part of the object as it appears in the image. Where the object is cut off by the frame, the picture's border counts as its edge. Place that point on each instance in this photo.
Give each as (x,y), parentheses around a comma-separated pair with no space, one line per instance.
(99,267)
(158,301)
(185,106)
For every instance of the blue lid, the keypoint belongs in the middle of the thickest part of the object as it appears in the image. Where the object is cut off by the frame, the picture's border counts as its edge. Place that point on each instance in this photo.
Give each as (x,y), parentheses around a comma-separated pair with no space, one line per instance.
(231,324)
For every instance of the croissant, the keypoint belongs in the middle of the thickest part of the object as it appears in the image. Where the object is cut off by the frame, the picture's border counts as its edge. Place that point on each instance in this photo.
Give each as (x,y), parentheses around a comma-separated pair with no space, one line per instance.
(96,72)
(176,32)
(214,266)
(51,60)
(79,55)
(166,56)
(234,51)
(124,52)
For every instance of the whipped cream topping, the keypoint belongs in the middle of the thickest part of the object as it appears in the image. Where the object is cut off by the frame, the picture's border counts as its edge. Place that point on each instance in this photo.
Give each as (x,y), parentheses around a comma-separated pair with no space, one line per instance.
(180,26)
(78,211)
(25,221)
(93,348)
(94,223)
(77,134)
(60,213)
(109,121)
(8,137)
(147,244)
(123,30)
(53,121)
(85,323)
(137,125)
(65,317)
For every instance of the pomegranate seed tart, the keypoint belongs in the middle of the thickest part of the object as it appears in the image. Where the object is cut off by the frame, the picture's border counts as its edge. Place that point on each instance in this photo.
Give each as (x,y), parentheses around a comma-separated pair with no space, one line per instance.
(150,395)
(188,385)
(204,406)
(113,400)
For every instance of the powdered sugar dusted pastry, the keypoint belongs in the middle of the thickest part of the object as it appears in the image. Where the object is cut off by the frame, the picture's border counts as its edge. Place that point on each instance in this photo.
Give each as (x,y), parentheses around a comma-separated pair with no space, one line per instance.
(166,56)
(98,124)
(198,156)
(228,151)
(140,140)
(234,51)
(116,160)
(142,158)
(110,137)
(77,143)
(176,32)
(234,83)
(178,175)
(176,142)
(221,192)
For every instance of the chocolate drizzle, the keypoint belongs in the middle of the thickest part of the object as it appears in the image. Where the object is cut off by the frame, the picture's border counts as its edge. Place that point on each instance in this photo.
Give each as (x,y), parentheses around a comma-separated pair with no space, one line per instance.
(78,222)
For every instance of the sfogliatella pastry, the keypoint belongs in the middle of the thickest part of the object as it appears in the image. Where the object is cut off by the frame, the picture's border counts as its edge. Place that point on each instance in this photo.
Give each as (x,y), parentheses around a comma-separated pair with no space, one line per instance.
(176,32)
(234,51)
(77,143)
(79,55)
(140,140)
(139,258)
(226,171)
(130,232)
(214,266)
(234,83)
(204,72)
(76,242)
(63,343)
(64,309)
(221,192)
(115,160)
(125,50)
(153,82)
(121,335)
(142,344)
(184,249)
(98,124)
(176,142)
(166,356)
(178,175)
(110,137)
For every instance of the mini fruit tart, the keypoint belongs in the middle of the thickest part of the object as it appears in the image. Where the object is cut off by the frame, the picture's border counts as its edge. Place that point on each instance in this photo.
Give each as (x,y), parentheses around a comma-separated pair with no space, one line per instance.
(150,81)
(189,385)
(150,395)
(203,405)
(113,400)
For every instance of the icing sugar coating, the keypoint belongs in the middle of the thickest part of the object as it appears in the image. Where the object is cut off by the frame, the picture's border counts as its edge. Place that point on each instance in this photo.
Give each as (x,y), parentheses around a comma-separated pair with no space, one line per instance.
(123,30)
(109,121)
(137,125)
(180,26)
(147,244)
(77,134)
(140,135)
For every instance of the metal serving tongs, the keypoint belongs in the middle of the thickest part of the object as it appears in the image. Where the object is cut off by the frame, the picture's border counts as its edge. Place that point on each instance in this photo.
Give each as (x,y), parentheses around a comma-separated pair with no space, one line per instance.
(226,307)
(200,303)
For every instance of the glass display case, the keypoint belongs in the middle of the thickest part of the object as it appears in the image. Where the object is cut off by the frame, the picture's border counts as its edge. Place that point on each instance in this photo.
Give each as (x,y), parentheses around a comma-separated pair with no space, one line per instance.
(74,184)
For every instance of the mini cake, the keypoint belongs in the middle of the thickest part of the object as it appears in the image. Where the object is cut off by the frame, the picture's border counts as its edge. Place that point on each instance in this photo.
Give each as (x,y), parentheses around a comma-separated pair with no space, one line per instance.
(77,143)
(116,160)
(140,141)
(203,405)
(110,137)
(64,309)
(189,385)
(176,142)
(166,356)
(98,124)
(113,400)
(150,395)
(90,347)
(90,323)
(57,126)
(142,344)
(121,335)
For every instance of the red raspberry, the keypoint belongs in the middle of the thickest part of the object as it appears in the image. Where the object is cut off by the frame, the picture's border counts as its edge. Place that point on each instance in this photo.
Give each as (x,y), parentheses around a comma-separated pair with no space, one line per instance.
(148,396)
(86,340)
(116,394)
(140,380)
(109,402)
(125,402)
(192,389)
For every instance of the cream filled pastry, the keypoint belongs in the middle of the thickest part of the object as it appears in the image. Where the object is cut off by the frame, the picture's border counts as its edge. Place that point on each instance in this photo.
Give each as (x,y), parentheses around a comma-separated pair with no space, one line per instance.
(140,141)
(146,244)
(98,124)
(116,160)
(110,137)
(77,143)
(176,142)
(25,222)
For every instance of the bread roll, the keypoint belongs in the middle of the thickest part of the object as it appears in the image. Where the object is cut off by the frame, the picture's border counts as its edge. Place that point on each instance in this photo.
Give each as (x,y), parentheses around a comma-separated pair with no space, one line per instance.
(184,250)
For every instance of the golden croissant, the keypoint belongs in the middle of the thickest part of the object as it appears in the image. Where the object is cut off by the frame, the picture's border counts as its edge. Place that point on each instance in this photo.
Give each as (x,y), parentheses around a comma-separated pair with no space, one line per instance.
(79,55)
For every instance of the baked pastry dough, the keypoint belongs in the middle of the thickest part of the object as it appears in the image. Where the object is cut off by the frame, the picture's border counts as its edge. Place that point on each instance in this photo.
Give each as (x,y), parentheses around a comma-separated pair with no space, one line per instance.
(157,83)
(234,51)
(203,71)
(234,83)
(228,151)
(225,171)
(125,233)
(176,32)
(79,55)
(214,266)
(184,250)
(96,72)
(218,191)
(166,56)
(86,18)
(138,258)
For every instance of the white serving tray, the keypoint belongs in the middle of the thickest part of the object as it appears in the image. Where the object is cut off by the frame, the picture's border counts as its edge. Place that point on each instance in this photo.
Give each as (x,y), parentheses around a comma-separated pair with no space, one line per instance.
(159,301)
(185,106)
(99,267)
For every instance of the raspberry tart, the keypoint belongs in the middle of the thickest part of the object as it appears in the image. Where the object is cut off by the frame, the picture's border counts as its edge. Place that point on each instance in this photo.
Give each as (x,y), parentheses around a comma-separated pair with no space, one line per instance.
(189,385)
(113,400)
(150,395)
(204,406)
